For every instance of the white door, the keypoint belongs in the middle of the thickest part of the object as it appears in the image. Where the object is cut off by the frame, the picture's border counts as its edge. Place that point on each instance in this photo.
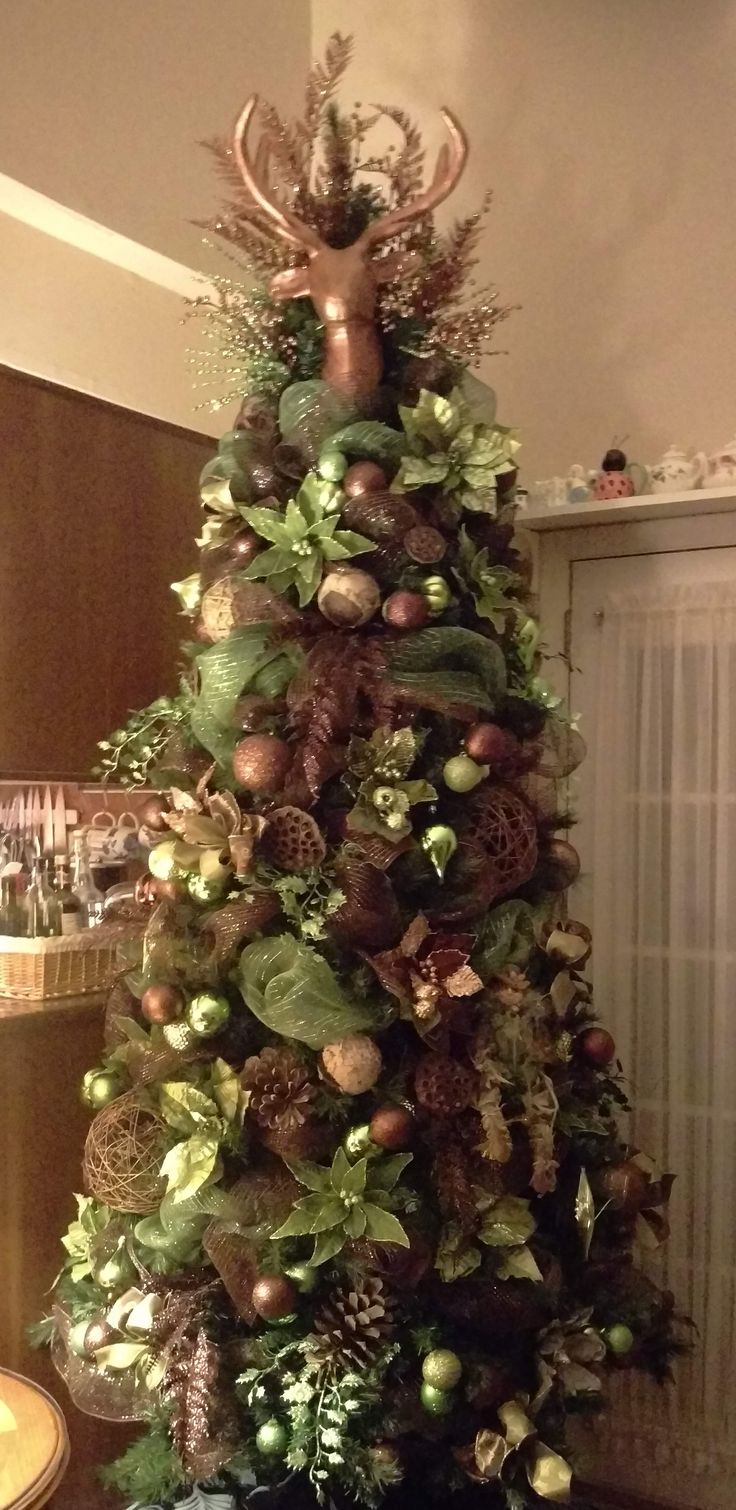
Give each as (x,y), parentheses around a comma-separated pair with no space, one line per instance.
(653,653)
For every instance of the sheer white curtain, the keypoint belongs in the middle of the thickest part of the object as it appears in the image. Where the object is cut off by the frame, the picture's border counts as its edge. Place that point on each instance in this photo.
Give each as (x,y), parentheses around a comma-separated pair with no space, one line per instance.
(665,980)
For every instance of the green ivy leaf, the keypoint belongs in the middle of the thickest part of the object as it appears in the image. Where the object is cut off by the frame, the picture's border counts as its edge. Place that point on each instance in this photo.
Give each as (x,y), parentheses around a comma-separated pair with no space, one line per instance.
(188,1166)
(184,1107)
(508,1223)
(519,1263)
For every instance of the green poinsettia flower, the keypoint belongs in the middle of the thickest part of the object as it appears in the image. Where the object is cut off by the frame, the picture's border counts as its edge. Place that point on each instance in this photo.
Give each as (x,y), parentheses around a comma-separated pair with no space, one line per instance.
(451,450)
(347,1200)
(303,538)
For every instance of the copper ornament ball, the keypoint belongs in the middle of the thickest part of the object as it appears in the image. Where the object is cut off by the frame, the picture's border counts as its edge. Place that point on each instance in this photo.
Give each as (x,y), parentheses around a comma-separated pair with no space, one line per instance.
(624,1187)
(406,610)
(393,1127)
(597,1045)
(364,477)
(559,865)
(153,814)
(162,1003)
(171,890)
(244,546)
(274,1297)
(261,762)
(491,745)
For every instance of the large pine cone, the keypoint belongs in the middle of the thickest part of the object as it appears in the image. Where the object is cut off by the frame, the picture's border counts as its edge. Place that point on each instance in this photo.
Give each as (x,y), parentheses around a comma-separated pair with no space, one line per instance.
(281,1091)
(354,1325)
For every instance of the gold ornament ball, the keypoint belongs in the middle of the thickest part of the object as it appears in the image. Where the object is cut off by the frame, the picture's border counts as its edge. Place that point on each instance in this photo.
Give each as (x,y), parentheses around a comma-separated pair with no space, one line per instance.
(274,1296)
(208,1013)
(162,1003)
(261,763)
(442,1368)
(437,594)
(354,1063)
(348,597)
(619,1338)
(436,1402)
(272,1438)
(393,1127)
(161,862)
(117,1272)
(364,477)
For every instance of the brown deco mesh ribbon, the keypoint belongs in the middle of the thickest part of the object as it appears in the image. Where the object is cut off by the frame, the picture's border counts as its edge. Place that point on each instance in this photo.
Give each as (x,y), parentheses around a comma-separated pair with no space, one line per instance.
(262,1198)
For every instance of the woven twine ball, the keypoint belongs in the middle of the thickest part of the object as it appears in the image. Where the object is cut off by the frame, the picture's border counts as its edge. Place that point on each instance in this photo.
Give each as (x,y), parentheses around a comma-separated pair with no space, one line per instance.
(122,1156)
(293,840)
(232,602)
(503,824)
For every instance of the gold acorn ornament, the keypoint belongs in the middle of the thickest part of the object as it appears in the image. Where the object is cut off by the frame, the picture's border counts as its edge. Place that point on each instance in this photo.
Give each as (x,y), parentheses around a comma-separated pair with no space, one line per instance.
(354,1063)
(348,597)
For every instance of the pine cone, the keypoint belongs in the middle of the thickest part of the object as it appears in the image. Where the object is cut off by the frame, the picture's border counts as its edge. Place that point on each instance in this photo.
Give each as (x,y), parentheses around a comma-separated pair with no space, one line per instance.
(281,1091)
(354,1325)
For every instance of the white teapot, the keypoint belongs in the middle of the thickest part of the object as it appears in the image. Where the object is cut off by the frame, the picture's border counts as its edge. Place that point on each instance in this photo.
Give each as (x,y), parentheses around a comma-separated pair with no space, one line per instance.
(676,472)
(719,470)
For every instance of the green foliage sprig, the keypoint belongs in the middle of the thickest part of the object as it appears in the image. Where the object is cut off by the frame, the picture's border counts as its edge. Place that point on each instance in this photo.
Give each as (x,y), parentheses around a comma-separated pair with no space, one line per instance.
(149,1471)
(131,752)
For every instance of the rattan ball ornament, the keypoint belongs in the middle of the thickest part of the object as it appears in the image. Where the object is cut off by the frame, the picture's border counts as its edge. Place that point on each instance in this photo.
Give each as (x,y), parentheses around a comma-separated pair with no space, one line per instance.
(504,826)
(292,840)
(123,1154)
(232,602)
(261,763)
(442,1085)
(348,597)
(354,1063)
(364,477)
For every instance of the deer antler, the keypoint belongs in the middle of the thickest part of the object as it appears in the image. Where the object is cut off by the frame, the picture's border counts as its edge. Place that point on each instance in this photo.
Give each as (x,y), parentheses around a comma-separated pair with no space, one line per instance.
(450,163)
(286,224)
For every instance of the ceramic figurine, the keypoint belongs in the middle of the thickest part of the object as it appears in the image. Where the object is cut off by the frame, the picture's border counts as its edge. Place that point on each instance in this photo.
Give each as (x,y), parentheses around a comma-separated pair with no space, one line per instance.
(718,470)
(676,472)
(578,490)
(617,477)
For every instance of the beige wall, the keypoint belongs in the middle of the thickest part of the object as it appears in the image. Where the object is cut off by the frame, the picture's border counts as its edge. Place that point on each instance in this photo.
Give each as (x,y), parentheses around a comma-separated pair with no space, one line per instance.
(103,102)
(608,131)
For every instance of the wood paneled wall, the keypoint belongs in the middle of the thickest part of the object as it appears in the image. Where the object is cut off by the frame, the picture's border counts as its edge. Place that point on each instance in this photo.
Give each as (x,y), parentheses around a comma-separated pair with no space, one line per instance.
(98,513)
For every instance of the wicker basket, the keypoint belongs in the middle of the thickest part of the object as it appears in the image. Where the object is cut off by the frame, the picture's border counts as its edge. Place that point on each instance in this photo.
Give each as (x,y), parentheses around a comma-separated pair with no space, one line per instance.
(42,969)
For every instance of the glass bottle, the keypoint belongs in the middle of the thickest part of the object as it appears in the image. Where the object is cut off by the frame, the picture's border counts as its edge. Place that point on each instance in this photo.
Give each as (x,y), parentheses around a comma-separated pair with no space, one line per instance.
(13,916)
(33,904)
(83,885)
(70,906)
(51,907)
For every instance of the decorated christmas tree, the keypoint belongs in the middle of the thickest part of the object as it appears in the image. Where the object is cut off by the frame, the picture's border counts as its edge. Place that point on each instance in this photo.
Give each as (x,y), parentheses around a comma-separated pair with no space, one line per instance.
(358,1219)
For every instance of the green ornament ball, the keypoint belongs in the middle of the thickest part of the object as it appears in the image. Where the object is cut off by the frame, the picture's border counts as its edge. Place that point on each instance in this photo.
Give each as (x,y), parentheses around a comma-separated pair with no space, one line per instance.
(619,1338)
(202,889)
(99,1088)
(208,1013)
(332,466)
(437,1402)
(461,773)
(117,1272)
(358,1142)
(78,1339)
(442,1368)
(272,1438)
(304,1277)
(162,863)
(436,593)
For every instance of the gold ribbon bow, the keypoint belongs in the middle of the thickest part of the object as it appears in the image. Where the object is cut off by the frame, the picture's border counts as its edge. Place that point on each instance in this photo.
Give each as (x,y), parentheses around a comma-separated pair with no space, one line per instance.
(547,1473)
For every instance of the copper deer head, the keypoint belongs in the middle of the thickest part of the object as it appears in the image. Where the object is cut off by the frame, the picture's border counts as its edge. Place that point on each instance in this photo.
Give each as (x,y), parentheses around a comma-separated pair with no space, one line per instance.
(343,282)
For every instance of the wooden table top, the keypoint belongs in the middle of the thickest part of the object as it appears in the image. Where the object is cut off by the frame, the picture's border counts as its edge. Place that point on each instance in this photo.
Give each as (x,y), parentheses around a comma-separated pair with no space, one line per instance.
(34,1446)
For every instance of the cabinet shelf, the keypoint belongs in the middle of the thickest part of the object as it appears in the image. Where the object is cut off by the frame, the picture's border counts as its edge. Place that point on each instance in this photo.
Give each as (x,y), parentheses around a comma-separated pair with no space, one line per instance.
(642,506)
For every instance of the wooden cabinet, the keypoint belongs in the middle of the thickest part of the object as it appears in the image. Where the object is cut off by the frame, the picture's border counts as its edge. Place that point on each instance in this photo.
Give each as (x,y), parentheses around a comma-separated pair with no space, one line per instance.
(99,511)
